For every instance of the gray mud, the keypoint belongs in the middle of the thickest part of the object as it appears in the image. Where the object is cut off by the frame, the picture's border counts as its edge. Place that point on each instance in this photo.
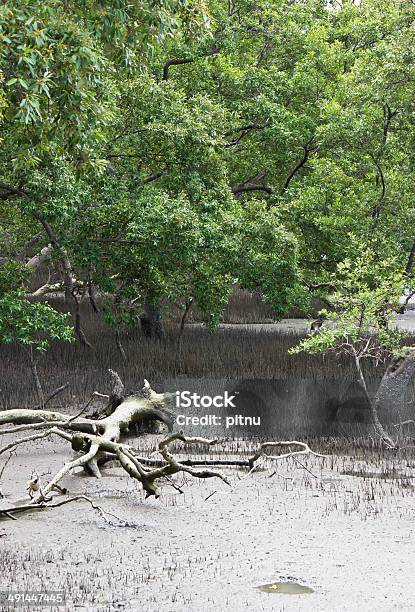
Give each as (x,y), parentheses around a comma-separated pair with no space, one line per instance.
(339,530)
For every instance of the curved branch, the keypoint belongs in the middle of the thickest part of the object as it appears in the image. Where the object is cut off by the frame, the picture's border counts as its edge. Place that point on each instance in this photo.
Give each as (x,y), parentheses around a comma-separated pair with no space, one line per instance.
(189,60)
(12,510)
(305,450)
(53,394)
(242,131)
(13,191)
(251,184)
(245,188)
(308,149)
(44,434)
(67,268)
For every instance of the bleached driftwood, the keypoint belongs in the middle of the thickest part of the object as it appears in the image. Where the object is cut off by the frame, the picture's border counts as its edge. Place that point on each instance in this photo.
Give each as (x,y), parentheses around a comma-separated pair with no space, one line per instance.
(97,441)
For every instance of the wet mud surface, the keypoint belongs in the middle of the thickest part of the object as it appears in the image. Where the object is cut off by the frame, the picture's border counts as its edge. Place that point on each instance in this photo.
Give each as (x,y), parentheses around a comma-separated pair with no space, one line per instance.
(335,527)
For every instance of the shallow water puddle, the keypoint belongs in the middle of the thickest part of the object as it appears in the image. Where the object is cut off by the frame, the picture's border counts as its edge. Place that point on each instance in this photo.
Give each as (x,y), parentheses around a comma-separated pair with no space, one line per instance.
(285,588)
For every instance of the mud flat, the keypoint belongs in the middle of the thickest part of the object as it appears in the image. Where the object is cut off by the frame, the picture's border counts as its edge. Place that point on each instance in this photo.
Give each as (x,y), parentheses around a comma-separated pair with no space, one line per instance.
(343,528)
(404,322)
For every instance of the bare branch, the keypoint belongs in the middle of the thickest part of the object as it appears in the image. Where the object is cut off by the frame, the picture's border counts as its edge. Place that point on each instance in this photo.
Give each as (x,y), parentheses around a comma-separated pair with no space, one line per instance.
(44,434)
(306,450)
(67,268)
(10,512)
(54,393)
(243,132)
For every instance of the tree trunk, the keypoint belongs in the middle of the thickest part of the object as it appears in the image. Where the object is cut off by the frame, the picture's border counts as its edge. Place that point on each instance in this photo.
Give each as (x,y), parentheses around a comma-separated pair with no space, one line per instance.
(36,379)
(188,306)
(391,392)
(77,323)
(151,322)
(373,403)
(119,345)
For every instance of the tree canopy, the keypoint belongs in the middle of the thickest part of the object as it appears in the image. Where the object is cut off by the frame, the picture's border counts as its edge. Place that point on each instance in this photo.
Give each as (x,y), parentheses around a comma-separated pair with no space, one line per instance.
(168,150)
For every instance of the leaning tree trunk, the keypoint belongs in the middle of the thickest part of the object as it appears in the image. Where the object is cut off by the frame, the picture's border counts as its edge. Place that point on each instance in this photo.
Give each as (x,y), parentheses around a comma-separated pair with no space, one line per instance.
(132,409)
(121,412)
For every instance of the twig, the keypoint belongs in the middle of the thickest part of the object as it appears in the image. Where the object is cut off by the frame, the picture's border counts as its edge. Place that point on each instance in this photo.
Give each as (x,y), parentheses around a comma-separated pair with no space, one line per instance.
(304,467)
(275,473)
(44,434)
(42,505)
(5,464)
(174,485)
(404,423)
(51,396)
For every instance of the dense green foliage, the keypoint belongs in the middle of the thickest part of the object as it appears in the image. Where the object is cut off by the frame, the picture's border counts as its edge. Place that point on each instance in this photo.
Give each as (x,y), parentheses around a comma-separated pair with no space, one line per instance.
(362,319)
(29,323)
(177,148)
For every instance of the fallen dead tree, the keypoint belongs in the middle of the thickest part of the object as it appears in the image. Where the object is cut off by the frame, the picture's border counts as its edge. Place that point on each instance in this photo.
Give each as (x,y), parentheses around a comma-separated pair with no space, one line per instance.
(100,439)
